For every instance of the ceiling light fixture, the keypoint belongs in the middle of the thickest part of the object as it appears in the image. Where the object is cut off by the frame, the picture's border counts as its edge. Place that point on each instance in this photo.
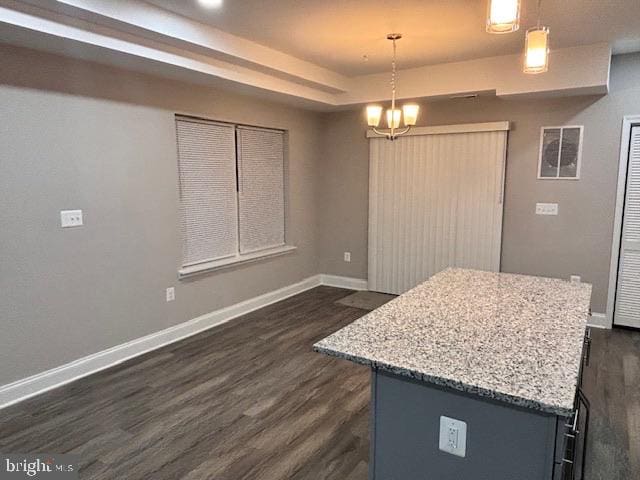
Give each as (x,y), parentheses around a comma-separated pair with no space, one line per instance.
(409,112)
(536,50)
(210,3)
(503,16)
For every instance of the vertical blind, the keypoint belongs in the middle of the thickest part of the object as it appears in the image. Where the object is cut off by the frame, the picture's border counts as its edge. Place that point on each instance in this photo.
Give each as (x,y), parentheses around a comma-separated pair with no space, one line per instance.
(231,189)
(261,188)
(435,201)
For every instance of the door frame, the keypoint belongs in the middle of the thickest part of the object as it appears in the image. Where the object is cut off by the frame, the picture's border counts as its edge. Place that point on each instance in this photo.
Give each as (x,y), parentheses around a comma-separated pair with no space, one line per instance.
(628,122)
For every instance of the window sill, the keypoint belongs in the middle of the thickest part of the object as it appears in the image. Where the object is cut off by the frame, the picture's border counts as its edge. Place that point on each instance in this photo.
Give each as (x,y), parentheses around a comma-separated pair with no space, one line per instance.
(208,267)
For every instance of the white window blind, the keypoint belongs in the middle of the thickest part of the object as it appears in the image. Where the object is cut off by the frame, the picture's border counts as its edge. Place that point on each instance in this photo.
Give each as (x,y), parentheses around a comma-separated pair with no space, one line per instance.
(261,188)
(207,170)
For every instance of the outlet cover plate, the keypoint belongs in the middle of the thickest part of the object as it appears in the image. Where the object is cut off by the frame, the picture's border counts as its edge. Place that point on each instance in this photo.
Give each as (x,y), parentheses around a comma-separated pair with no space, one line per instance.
(546,209)
(453,436)
(71,218)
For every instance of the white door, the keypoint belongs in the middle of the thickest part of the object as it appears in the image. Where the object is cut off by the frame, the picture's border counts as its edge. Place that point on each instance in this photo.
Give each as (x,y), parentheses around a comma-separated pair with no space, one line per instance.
(435,201)
(627,305)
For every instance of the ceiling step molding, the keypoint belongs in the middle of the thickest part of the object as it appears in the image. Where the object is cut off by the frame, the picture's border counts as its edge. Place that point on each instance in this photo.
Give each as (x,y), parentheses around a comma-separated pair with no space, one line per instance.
(148,21)
(580,70)
(141,37)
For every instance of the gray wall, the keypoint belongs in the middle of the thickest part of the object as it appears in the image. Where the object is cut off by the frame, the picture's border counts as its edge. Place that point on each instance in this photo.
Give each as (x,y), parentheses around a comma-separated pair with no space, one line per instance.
(577,241)
(81,135)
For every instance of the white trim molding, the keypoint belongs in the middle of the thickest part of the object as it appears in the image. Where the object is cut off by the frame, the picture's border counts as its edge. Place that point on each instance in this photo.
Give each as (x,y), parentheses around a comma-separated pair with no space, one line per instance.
(36,384)
(239,259)
(343,282)
(598,320)
(56,377)
(444,129)
(627,122)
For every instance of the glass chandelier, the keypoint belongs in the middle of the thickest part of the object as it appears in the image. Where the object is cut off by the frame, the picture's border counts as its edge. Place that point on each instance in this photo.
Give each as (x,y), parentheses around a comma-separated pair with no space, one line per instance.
(408,114)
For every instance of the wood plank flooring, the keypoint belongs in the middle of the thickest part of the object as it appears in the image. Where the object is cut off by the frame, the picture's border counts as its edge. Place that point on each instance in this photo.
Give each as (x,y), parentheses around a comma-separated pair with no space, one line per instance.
(250,400)
(246,400)
(612,384)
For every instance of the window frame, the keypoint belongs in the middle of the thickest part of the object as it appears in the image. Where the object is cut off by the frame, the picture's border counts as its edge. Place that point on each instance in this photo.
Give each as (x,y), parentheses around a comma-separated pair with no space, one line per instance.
(193,269)
(579,156)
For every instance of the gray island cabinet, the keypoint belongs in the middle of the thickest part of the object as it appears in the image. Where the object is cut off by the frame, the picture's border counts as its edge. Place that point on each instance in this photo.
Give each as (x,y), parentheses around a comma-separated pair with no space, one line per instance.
(475,376)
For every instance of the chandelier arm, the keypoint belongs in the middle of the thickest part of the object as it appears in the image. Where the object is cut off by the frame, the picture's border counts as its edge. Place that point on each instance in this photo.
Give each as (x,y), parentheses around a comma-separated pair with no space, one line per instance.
(391,135)
(380,132)
(403,131)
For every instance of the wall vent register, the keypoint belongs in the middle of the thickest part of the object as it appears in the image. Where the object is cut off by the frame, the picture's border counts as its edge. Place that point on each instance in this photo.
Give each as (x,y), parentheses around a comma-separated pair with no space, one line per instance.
(560,152)
(232,193)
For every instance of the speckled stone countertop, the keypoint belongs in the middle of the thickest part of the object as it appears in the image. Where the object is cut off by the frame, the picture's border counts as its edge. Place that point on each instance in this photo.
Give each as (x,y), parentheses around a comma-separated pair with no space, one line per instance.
(513,338)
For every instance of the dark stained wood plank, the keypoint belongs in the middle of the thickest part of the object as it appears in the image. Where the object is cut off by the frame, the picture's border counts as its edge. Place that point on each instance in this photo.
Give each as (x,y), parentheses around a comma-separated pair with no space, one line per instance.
(249,399)
(612,384)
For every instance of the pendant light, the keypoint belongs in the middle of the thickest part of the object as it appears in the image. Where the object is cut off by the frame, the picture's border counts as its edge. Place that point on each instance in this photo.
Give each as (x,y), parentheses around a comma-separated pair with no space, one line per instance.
(408,114)
(536,49)
(503,16)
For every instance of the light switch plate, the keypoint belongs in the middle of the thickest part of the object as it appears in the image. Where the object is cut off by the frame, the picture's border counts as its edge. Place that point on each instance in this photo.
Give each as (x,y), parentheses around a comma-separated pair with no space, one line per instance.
(347,256)
(546,209)
(71,218)
(453,436)
(171,294)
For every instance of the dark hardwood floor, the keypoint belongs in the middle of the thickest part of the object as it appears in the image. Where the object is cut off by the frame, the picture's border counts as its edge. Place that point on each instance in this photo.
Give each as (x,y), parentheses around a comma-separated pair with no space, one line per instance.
(612,384)
(250,400)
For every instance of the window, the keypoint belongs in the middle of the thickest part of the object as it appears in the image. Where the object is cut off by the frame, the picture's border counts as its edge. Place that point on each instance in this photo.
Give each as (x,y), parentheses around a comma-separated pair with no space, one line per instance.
(560,152)
(232,193)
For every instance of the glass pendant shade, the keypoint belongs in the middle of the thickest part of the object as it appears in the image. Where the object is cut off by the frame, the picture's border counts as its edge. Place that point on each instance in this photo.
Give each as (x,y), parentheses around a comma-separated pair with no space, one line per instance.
(536,55)
(374,112)
(410,114)
(393,118)
(503,16)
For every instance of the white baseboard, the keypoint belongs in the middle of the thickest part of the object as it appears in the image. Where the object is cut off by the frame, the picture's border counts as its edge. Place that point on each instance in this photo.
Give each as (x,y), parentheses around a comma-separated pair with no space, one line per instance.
(50,379)
(343,282)
(598,320)
(28,387)
(22,389)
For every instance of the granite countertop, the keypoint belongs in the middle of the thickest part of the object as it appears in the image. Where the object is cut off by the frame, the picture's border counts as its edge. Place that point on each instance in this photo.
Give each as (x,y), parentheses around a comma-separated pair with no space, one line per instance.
(512,338)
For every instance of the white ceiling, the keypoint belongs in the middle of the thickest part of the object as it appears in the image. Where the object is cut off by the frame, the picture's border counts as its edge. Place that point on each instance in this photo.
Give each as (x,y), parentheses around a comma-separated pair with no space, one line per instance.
(141,36)
(335,34)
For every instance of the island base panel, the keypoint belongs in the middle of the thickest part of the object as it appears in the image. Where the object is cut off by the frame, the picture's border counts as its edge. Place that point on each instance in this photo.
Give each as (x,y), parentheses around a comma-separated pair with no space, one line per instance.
(503,442)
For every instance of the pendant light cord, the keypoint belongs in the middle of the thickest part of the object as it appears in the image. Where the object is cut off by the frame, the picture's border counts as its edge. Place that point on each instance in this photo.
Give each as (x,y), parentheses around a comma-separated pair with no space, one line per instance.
(539,11)
(393,86)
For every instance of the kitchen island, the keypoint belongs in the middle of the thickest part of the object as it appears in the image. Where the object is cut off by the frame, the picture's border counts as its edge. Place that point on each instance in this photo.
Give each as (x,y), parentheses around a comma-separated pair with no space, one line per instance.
(474,376)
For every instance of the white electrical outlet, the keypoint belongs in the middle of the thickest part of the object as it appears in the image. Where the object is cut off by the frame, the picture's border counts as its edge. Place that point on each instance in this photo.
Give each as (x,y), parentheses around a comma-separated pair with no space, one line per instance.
(71,218)
(171,294)
(546,209)
(575,279)
(453,436)
(347,256)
